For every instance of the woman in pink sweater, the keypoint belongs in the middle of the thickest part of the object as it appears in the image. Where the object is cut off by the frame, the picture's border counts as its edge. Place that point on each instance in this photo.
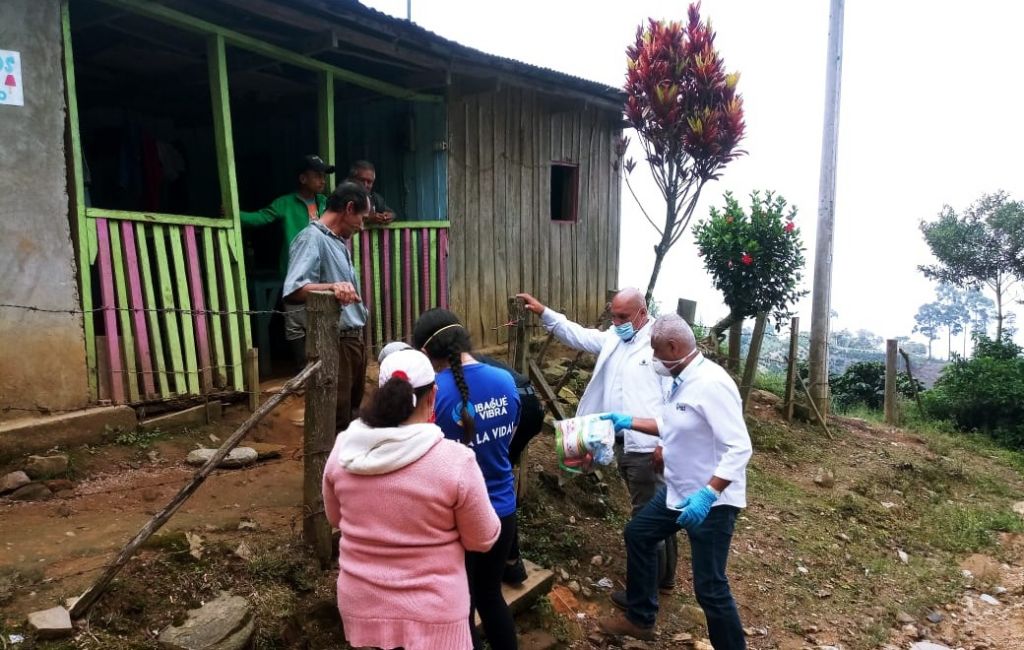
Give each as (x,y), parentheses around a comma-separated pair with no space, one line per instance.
(409,505)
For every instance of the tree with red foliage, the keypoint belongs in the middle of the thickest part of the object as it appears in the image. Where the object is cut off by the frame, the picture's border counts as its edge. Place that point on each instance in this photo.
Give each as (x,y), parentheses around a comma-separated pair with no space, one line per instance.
(687,115)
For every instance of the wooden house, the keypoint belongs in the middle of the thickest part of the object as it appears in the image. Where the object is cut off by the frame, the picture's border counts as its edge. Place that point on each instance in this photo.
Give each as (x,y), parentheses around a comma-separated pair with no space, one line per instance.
(147,126)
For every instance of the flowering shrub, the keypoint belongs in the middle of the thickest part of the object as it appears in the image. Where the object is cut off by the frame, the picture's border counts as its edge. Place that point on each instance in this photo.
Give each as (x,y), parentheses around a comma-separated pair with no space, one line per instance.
(756,260)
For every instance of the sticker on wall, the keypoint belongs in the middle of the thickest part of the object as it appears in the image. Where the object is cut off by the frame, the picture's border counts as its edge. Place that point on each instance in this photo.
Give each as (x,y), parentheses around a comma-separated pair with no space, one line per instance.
(11,90)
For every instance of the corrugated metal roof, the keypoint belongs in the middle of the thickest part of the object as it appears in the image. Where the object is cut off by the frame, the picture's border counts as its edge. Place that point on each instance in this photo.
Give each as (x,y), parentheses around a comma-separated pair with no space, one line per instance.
(414,35)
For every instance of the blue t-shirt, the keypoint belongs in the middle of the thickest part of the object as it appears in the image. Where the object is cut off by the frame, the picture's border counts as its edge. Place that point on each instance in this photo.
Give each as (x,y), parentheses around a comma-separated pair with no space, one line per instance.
(495,408)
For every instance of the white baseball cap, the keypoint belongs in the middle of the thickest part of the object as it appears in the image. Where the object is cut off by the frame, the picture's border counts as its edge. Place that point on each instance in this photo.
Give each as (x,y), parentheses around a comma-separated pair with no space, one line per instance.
(410,365)
(394,346)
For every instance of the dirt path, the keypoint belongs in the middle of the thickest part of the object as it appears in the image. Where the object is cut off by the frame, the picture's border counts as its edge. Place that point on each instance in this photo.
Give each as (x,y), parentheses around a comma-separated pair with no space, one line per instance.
(60,540)
(972,623)
(57,545)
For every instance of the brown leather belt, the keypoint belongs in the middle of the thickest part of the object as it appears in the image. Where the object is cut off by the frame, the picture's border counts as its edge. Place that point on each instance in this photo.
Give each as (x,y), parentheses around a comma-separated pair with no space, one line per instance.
(354,333)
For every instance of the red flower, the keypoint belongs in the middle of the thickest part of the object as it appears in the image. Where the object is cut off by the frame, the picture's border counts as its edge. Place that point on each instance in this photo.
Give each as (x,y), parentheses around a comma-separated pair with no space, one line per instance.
(747,259)
(790,226)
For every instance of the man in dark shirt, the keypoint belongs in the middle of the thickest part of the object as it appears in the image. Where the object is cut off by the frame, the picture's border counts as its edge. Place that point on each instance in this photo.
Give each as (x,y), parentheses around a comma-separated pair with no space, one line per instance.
(364,173)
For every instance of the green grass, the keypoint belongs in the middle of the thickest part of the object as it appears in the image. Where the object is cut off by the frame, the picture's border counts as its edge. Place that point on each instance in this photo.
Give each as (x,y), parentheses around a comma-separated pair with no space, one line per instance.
(773,382)
(138,437)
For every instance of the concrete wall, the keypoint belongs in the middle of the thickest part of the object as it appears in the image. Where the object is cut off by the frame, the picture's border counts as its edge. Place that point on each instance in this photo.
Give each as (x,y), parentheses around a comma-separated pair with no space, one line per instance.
(42,356)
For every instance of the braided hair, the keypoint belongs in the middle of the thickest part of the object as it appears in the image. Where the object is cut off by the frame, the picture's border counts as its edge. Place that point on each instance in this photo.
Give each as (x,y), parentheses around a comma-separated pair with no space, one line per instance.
(447,345)
(393,403)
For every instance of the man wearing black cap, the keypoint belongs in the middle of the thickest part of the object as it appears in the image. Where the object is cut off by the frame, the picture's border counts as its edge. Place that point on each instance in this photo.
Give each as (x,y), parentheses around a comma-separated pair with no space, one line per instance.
(296,209)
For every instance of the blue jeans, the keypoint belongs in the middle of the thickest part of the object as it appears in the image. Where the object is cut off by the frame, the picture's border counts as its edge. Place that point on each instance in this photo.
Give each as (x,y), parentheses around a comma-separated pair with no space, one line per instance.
(709,551)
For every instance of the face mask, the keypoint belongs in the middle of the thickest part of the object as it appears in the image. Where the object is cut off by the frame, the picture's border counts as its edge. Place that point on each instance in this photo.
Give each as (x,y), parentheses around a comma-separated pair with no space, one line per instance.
(627,331)
(664,368)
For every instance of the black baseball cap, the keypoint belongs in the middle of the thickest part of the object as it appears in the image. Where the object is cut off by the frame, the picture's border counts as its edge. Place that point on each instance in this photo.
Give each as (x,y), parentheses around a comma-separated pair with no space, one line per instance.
(315,163)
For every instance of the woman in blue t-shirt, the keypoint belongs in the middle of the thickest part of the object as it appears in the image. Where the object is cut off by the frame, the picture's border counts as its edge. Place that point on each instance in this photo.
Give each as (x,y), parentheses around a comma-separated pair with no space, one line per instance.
(478,405)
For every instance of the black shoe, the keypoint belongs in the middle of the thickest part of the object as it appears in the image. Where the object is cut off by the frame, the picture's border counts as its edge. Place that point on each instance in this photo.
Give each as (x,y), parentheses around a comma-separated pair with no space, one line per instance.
(515,574)
(618,599)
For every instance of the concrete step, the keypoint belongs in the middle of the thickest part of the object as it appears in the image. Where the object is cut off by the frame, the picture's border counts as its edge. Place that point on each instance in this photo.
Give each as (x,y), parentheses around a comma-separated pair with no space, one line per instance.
(538,583)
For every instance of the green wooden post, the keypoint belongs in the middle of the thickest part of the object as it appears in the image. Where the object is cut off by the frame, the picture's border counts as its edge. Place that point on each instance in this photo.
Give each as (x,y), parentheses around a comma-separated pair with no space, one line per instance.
(149,299)
(231,305)
(188,334)
(325,119)
(83,236)
(167,302)
(241,334)
(123,315)
(377,269)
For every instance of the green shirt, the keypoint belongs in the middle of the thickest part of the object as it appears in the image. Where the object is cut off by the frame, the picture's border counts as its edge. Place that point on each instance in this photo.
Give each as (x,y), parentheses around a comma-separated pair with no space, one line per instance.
(293,214)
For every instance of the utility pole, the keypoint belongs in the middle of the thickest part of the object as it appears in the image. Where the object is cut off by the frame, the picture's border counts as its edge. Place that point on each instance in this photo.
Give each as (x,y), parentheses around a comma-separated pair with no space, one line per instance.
(822,298)
(408,10)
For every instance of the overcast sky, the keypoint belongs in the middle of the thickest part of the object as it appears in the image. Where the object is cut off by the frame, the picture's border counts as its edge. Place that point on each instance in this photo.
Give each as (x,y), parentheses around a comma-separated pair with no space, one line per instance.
(931,114)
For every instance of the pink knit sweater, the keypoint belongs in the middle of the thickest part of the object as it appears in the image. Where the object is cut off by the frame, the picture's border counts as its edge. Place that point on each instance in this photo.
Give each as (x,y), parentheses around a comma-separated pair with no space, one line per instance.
(402,581)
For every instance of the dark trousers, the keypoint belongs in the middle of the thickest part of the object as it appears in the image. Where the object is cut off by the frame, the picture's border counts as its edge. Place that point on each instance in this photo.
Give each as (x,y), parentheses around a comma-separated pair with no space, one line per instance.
(351,375)
(485,571)
(531,421)
(709,550)
(642,482)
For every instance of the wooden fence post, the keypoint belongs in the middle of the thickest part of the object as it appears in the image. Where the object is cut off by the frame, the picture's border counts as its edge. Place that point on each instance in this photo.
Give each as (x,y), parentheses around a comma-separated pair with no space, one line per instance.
(517,340)
(753,354)
(519,359)
(735,343)
(891,407)
(913,384)
(322,312)
(791,368)
(687,310)
(252,369)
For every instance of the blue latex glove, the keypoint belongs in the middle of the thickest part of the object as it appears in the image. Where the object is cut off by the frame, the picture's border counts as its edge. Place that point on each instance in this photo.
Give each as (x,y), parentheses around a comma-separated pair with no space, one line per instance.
(619,420)
(695,508)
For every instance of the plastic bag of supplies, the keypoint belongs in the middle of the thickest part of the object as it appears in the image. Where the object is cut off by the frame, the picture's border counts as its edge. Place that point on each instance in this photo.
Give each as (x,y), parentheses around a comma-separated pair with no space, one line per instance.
(584,441)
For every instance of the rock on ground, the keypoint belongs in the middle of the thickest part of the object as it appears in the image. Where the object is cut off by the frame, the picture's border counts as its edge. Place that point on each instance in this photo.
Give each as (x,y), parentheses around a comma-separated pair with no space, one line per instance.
(38,467)
(266,450)
(225,623)
(824,478)
(30,492)
(928,645)
(239,457)
(54,623)
(984,568)
(13,481)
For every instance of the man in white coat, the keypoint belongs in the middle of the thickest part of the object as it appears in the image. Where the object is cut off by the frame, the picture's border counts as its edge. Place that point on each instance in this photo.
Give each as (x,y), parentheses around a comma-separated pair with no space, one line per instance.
(623,381)
(706,450)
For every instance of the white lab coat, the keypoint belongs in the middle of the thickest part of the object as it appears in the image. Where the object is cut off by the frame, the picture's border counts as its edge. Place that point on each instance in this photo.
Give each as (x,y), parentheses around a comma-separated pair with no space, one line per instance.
(642,388)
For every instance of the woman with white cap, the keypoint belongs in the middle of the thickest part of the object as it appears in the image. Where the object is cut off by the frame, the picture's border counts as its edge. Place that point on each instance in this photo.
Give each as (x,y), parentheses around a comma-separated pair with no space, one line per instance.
(409,504)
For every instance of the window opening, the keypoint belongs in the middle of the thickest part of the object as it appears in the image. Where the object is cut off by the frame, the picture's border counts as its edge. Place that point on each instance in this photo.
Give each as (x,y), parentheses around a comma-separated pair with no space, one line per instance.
(565,182)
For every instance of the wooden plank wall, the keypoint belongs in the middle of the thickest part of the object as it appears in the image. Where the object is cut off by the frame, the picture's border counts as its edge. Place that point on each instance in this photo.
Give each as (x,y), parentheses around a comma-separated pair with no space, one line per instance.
(401,140)
(502,238)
